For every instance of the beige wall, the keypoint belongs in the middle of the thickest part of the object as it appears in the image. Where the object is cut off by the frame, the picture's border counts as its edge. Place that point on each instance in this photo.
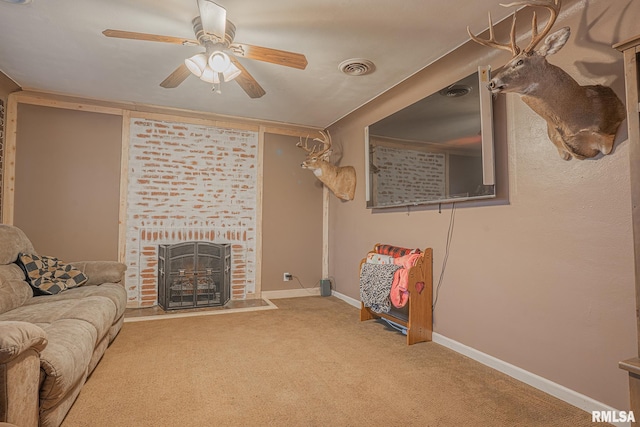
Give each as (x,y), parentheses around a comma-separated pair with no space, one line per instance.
(67,189)
(543,277)
(292,217)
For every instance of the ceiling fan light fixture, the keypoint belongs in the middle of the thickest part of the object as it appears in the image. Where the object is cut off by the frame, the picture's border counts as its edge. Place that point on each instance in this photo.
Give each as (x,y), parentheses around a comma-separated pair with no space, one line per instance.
(209,75)
(231,72)
(215,35)
(196,64)
(219,61)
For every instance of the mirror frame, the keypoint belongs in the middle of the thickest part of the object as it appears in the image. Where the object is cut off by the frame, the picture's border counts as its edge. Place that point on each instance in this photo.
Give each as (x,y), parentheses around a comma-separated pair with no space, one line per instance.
(487,150)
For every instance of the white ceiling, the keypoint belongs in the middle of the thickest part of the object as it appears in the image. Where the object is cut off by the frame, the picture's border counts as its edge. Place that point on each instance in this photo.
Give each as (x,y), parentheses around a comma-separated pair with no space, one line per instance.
(58,46)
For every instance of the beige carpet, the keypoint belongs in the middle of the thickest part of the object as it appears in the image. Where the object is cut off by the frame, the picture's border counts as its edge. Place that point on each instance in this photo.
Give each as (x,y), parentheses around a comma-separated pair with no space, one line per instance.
(309,363)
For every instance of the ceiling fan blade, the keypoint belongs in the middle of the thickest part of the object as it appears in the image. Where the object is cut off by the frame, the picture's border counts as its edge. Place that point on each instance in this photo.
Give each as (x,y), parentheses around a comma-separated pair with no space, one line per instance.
(247,82)
(275,56)
(178,76)
(148,37)
(214,18)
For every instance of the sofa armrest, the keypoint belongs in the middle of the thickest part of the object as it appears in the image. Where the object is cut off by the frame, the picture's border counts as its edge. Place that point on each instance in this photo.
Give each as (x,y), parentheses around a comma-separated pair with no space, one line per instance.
(100,272)
(17,337)
(20,347)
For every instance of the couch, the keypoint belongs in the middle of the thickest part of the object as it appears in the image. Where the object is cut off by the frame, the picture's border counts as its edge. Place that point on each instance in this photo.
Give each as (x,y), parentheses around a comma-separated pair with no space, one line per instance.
(50,344)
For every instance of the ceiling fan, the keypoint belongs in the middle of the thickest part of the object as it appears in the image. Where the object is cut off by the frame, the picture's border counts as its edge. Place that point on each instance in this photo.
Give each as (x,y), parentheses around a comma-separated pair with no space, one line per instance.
(218,62)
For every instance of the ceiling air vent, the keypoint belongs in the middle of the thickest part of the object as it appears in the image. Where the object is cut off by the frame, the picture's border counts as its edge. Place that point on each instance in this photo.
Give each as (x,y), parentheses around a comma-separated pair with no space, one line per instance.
(455,91)
(357,67)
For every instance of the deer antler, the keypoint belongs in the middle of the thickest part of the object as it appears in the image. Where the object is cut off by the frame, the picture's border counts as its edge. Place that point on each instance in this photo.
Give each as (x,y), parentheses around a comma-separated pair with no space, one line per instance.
(305,147)
(554,9)
(326,141)
(491,42)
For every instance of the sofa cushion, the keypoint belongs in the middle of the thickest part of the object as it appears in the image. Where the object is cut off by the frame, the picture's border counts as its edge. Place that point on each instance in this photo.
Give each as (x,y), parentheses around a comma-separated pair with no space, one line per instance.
(98,312)
(49,275)
(14,291)
(13,241)
(113,291)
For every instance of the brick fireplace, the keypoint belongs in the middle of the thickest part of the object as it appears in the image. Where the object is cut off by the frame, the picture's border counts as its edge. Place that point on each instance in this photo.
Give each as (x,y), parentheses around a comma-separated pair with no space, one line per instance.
(189,182)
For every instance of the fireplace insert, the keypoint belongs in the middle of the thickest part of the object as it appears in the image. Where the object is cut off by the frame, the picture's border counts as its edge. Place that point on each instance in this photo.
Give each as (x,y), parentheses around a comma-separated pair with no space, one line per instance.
(193,274)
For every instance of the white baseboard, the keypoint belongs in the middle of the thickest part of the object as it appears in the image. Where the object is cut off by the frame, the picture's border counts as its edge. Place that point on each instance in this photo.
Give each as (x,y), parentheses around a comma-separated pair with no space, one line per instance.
(291,293)
(556,390)
(351,301)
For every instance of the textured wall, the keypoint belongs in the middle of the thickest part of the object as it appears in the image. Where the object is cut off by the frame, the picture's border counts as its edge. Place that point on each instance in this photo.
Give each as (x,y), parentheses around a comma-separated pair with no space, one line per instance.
(292,217)
(67,176)
(189,182)
(543,279)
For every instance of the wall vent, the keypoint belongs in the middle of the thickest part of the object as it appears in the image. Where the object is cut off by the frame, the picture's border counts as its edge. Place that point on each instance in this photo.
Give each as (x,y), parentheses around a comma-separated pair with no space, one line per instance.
(455,91)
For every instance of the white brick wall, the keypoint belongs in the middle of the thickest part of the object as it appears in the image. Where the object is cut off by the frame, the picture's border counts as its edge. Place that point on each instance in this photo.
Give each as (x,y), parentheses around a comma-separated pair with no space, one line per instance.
(421,177)
(189,182)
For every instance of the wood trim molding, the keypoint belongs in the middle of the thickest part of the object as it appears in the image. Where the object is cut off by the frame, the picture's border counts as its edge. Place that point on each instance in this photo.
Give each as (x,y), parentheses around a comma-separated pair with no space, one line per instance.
(69,103)
(630,43)
(259,198)
(299,132)
(631,49)
(9,172)
(124,185)
(162,113)
(202,121)
(325,231)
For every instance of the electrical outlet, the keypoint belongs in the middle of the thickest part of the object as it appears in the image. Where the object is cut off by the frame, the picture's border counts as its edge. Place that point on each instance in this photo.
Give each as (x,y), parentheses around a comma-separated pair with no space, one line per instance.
(287,277)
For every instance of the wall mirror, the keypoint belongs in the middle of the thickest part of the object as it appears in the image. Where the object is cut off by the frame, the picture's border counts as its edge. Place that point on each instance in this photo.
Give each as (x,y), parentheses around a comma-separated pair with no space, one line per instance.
(437,150)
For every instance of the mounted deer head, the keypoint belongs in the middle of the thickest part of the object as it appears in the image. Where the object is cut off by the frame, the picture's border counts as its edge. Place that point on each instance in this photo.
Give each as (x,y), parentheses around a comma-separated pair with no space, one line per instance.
(341,180)
(582,121)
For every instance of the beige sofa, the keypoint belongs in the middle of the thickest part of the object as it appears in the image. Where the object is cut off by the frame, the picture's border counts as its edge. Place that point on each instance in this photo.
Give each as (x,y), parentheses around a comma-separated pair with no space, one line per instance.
(50,344)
